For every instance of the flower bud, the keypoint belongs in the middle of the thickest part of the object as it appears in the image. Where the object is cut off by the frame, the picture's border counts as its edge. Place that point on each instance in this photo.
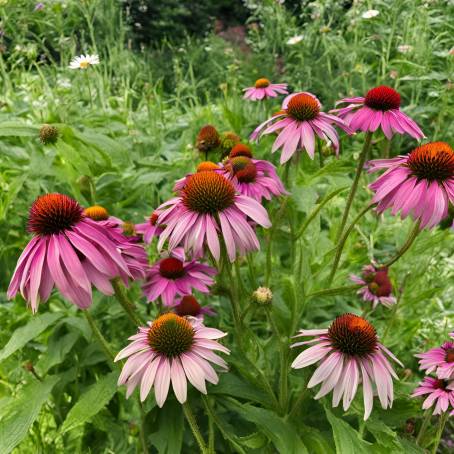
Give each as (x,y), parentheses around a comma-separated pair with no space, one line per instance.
(263,295)
(48,134)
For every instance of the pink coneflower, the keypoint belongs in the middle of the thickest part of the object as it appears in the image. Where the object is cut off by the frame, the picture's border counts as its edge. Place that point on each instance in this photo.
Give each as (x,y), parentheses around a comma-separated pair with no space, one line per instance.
(379,108)
(173,276)
(377,286)
(171,349)
(263,89)
(189,306)
(350,354)
(438,392)
(150,228)
(207,206)
(254,178)
(420,184)
(299,121)
(69,251)
(439,360)
(124,235)
(204,166)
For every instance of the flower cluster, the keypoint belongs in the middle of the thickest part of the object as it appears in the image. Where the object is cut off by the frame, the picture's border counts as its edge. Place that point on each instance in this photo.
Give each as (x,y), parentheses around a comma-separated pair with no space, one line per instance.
(439,389)
(213,220)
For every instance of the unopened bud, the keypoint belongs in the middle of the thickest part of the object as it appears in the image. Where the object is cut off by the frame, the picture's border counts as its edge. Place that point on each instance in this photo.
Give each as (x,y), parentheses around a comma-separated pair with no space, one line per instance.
(263,295)
(48,134)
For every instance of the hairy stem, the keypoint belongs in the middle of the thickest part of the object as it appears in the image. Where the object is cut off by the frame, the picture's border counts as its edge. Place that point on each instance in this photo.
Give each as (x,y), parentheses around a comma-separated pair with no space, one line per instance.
(190,418)
(125,302)
(99,337)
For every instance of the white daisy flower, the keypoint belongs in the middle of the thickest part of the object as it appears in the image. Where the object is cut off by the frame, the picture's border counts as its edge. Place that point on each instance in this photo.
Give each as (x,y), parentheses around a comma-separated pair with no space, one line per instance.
(294,40)
(370,13)
(84,61)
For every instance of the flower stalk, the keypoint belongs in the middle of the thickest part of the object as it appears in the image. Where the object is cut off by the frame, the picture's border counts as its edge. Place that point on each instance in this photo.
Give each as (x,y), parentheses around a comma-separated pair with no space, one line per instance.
(190,418)
(125,302)
(354,187)
(343,239)
(410,240)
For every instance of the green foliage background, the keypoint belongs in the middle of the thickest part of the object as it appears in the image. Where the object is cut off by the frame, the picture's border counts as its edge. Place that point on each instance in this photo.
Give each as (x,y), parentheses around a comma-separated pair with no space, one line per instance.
(127,132)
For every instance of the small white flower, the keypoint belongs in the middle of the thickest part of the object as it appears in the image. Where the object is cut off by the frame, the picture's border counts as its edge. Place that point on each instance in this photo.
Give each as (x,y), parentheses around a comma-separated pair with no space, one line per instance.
(84,61)
(294,40)
(370,13)
(404,48)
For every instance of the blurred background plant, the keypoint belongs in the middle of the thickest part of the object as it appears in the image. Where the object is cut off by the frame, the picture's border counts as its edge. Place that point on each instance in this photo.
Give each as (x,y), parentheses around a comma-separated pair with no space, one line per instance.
(166,69)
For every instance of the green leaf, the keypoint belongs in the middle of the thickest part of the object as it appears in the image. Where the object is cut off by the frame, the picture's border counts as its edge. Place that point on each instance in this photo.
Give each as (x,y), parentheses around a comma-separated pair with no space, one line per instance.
(231,385)
(28,332)
(168,439)
(58,347)
(22,412)
(283,435)
(17,128)
(316,441)
(91,402)
(346,438)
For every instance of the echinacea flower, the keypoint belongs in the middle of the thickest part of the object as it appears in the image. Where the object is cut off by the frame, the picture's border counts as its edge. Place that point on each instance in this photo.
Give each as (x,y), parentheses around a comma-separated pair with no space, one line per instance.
(171,350)
(84,61)
(438,393)
(264,89)
(208,139)
(419,184)
(439,360)
(350,353)
(150,228)
(124,235)
(379,108)
(204,166)
(171,276)
(377,287)
(69,251)
(254,178)
(189,306)
(298,124)
(207,206)
(228,140)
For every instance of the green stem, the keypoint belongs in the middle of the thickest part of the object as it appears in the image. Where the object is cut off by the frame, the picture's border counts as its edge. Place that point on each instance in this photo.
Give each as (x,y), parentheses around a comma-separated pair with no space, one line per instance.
(317,210)
(233,293)
(297,404)
(441,426)
(269,244)
(100,338)
(354,187)
(194,427)
(386,148)
(411,238)
(343,239)
(283,361)
(143,438)
(424,426)
(333,291)
(87,78)
(125,302)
